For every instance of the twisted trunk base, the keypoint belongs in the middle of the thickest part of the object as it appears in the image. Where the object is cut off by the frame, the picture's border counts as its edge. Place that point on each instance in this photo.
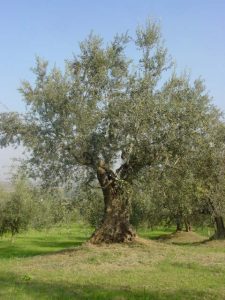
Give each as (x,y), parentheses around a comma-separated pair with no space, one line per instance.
(115,227)
(179,225)
(220,228)
(187,225)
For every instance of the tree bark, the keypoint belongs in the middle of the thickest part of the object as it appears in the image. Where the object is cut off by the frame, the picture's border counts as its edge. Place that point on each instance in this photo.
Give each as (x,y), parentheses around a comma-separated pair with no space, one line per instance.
(187,225)
(179,224)
(220,228)
(115,227)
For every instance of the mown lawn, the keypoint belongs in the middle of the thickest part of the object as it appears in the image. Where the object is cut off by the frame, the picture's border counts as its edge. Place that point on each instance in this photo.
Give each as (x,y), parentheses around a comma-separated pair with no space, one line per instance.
(35,242)
(57,264)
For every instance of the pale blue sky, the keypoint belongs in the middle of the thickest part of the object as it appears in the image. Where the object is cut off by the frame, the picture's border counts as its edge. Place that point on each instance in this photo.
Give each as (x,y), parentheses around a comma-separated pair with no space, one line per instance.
(194,32)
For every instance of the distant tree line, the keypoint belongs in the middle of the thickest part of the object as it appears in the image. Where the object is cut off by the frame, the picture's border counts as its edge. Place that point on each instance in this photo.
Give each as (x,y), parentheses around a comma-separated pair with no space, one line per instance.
(25,206)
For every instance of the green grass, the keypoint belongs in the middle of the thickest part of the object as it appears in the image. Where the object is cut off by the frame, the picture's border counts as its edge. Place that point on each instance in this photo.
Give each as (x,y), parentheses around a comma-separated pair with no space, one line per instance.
(205,231)
(57,264)
(35,242)
(160,231)
(156,233)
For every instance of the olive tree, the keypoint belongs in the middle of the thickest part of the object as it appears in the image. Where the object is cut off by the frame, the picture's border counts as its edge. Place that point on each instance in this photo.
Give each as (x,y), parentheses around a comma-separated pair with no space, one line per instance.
(107,118)
(210,178)
(73,120)
(15,208)
(187,123)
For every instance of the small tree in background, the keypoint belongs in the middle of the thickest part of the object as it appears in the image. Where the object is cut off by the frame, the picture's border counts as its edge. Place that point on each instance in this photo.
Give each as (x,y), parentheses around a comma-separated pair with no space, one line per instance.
(15,209)
(210,175)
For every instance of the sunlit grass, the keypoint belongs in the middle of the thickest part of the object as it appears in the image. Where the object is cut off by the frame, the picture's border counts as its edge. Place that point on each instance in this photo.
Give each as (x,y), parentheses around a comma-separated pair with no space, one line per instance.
(46,241)
(57,264)
(155,233)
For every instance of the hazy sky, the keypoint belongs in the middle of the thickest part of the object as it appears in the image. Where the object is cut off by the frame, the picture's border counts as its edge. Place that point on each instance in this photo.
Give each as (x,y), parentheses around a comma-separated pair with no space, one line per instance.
(194,32)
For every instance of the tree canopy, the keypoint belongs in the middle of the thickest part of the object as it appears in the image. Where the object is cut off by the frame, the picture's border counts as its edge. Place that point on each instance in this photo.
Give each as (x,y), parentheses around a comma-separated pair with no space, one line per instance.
(109,107)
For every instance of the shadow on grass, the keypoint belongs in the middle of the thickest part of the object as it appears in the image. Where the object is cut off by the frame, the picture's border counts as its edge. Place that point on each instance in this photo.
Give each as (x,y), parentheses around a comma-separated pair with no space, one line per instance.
(169,238)
(155,234)
(191,243)
(37,247)
(14,287)
(59,244)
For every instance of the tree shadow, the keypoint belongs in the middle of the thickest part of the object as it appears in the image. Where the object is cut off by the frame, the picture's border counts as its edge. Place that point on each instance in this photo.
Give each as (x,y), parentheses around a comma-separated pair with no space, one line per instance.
(169,238)
(206,241)
(13,285)
(59,244)
(38,247)
(156,234)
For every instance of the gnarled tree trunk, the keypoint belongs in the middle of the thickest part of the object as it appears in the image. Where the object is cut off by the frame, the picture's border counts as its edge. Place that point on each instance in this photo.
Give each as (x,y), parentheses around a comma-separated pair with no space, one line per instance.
(115,227)
(219,223)
(187,224)
(220,228)
(179,224)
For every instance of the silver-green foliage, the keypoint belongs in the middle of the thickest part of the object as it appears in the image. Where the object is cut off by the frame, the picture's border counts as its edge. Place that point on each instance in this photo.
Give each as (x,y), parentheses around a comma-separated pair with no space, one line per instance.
(26,206)
(15,209)
(106,105)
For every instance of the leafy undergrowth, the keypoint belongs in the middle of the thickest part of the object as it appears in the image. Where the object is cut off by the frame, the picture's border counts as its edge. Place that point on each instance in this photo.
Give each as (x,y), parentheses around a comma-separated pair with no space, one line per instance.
(146,269)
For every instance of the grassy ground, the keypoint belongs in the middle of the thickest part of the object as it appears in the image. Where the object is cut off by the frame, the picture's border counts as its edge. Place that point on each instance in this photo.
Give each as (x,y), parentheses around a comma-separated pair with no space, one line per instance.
(57,264)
